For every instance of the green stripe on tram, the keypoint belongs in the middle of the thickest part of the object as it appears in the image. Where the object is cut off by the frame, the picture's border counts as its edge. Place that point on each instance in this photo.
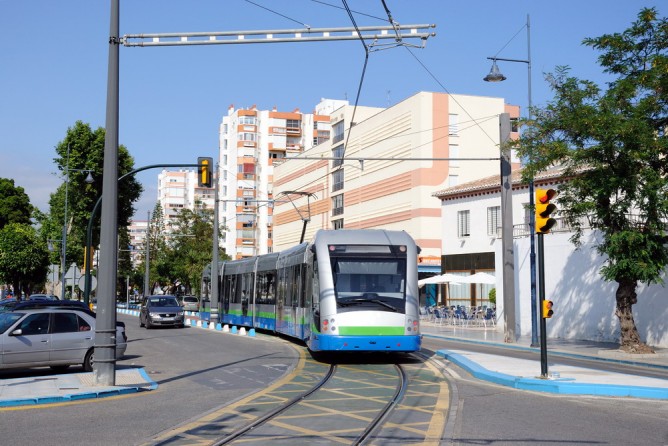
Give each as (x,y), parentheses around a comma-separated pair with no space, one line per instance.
(371,331)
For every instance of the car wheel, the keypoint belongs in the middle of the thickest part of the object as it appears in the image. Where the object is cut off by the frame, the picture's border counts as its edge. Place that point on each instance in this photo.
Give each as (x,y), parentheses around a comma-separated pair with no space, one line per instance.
(59,368)
(88,361)
(148,324)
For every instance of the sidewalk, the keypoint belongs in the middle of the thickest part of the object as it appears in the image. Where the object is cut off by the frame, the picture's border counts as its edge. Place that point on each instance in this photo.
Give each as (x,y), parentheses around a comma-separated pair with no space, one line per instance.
(562,379)
(37,390)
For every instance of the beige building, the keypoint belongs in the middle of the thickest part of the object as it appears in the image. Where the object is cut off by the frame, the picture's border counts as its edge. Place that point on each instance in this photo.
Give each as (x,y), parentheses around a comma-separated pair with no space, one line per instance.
(381,167)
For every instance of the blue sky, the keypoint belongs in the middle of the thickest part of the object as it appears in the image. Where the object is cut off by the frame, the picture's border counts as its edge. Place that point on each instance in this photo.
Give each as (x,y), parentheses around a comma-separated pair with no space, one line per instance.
(172,99)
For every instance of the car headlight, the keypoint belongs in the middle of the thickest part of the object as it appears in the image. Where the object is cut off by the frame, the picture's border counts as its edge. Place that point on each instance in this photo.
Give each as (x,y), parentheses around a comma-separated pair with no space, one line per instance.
(179,313)
(153,314)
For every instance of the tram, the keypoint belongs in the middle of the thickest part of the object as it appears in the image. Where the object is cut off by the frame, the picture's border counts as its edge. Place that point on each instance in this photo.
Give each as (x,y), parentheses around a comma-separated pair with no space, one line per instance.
(346,290)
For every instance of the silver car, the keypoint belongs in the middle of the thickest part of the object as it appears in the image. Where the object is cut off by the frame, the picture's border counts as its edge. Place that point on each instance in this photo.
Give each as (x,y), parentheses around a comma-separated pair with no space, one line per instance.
(53,337)
(190,303)
(161,310)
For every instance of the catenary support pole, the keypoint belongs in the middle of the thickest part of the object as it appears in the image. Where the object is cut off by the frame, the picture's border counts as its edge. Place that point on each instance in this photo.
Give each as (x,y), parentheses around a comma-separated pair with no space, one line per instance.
(104,365)
(507,254)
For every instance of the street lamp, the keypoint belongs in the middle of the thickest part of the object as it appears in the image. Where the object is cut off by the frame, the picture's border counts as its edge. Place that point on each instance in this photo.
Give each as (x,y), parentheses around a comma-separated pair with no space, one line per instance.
(496,76)
(89,180)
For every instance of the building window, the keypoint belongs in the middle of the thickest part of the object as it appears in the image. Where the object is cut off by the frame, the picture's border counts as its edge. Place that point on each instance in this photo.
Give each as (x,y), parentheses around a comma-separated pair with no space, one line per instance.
(453,125)
(247,137)
(464,224)
(337,180)
(493,220)
(337,204)
(454,153)
(337,224)
(338,130)
(293,124)
(337,152)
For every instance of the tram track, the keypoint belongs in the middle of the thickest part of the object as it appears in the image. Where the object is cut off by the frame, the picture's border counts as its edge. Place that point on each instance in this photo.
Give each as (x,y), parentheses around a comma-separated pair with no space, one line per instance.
(276,412)
(375,400)
(310,397)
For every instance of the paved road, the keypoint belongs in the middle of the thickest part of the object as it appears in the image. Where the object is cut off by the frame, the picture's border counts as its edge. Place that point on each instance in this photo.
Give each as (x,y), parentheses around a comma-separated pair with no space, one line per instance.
(196,372)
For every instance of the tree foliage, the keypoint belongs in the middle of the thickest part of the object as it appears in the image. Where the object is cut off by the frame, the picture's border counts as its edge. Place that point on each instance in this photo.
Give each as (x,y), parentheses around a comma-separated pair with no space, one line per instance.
(82,150)
(177,258)
(24,259)
(612,143)
(15,204)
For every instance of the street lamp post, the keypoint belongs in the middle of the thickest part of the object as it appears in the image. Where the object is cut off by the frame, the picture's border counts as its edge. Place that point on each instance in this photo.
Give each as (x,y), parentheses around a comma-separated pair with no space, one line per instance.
(63,252)
(496,76)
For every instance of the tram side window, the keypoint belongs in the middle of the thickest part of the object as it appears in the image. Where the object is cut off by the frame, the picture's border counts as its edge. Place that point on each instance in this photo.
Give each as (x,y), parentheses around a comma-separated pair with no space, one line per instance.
(236,294)
(266,288)
(246,287)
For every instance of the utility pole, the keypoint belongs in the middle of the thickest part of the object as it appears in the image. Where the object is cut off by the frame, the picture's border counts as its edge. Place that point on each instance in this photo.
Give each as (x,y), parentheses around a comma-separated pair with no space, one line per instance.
(507,254)
(147,269)
(213,315)
(104,366)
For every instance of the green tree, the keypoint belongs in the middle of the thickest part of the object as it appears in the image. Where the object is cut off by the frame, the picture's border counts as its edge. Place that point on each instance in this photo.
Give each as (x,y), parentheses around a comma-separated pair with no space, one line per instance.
(24,259)
(157,251)
(86,153)
(613,145)
(15,204)
(191,247)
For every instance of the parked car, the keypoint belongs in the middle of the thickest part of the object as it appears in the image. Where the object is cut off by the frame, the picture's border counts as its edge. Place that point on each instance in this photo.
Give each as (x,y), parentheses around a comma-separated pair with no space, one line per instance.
(190,303)
(40,296)
(161,310)
(50,336)
(13,304)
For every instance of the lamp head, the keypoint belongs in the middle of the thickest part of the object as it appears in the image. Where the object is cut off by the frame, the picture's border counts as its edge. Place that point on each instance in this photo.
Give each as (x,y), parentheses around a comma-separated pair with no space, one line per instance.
(89,178)
(494,74)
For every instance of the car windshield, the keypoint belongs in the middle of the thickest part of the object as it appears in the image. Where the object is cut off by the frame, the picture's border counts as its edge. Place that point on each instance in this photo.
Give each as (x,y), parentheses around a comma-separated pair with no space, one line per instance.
(163,302)
(8,319)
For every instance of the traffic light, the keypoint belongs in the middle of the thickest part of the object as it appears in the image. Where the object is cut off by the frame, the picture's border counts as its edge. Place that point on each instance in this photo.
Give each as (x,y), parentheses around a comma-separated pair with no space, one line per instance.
(547,309)
(204,172)
(543,210)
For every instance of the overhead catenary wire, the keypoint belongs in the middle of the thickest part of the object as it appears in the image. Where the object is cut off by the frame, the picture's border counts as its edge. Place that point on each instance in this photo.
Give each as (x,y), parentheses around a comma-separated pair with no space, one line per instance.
(278,13)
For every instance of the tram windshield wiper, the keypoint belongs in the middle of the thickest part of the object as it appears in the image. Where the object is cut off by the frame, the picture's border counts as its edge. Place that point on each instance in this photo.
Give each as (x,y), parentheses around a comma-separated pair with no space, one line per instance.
(361,300)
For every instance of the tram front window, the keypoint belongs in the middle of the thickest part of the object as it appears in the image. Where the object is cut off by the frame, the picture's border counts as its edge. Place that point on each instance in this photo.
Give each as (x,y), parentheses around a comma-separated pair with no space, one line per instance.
(378,284)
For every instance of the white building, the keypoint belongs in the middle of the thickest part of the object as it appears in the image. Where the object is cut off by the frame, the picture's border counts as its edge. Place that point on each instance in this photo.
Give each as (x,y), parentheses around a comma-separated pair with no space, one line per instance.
(179,190)
(584,304)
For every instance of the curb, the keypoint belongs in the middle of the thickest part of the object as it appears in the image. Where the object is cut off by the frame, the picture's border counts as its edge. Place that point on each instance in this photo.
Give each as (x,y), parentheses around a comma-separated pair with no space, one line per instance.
(612,358)
(103,392)
(559,386)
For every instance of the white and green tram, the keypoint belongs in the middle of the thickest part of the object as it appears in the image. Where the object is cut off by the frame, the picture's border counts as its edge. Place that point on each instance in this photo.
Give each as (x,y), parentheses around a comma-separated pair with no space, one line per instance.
(345,290)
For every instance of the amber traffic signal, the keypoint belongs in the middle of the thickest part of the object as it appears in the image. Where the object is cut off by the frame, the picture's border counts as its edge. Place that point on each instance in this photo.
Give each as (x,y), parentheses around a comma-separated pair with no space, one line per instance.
(547,309)
(544,209)
(204,172)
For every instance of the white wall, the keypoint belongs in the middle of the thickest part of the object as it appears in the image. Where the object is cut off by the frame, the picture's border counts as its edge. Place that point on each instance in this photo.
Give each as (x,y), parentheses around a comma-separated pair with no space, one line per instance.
(584,305)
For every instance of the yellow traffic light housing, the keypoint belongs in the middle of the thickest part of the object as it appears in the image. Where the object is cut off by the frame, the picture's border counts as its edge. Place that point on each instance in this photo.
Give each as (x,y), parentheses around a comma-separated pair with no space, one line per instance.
(547,311)
(204,172)
(544,209)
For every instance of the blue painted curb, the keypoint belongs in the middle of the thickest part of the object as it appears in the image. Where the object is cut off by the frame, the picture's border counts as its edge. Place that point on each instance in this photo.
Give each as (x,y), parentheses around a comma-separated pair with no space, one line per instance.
(559,386)
(120,390)
(549,352)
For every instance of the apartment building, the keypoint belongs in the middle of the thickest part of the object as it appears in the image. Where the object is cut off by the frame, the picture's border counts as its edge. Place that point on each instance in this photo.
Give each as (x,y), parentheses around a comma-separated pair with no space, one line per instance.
(137,231)
(251,142)
(382,165)
(179,190)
